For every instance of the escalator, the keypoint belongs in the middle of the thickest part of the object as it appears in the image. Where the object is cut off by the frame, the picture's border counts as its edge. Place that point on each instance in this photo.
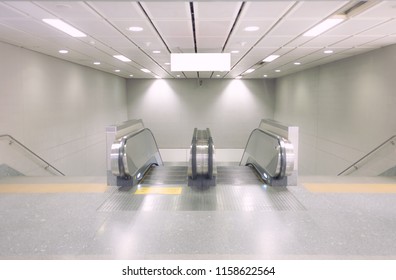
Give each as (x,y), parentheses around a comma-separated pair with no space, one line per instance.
(135,160)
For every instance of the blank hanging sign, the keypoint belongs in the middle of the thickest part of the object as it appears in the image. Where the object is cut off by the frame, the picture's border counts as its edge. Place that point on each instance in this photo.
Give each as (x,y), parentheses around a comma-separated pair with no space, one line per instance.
(200,62)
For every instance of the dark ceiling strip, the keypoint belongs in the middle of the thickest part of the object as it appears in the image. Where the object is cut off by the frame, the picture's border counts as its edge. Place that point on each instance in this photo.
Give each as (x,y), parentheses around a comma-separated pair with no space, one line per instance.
(152,24)
(233,26)
(193,26)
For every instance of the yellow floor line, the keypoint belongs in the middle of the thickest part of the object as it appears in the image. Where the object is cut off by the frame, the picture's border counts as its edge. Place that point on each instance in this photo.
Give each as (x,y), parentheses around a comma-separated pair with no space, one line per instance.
(53,188)
(351,188)
(159,190)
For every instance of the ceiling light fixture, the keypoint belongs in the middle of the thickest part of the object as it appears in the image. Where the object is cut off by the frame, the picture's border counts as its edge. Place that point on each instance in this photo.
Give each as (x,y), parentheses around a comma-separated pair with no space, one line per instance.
(157,77)
(265,76)
(178,76)
(135,28)
(122,58)
(328,51)
(325,25)
(64,27)
(270,58)
(249,71)
(235,51)
(167,63)
(131,75)
(277,70)
(117,70)
(145,70)
(96,63)
(297,63)
(156,51)
(238,77)
(251,28)
(63,51)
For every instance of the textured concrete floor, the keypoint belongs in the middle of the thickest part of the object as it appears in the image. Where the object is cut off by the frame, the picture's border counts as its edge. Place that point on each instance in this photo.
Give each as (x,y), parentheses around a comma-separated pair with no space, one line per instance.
(234,220)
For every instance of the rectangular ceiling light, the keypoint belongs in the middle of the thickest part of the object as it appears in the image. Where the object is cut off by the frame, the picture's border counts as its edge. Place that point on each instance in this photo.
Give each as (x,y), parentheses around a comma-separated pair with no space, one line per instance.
(200,62)
(324,26)
(270,58)
(63,26)
(122,58)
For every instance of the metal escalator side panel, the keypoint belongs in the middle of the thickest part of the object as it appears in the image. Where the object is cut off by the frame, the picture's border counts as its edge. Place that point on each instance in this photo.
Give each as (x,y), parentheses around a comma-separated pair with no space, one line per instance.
(116,158)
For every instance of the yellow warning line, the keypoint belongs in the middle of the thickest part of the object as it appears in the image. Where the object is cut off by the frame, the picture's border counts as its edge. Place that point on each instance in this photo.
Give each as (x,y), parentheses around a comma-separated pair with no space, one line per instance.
(53,188)
(159,190)
(351,188)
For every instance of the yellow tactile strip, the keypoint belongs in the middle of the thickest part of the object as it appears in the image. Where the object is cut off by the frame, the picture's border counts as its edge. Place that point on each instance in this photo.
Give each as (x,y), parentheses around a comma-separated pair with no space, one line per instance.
(53,188)
(159,190)
(350,188)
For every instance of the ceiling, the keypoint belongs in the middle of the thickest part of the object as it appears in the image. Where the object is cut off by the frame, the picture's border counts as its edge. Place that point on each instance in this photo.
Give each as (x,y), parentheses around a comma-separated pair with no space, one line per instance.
(199,26)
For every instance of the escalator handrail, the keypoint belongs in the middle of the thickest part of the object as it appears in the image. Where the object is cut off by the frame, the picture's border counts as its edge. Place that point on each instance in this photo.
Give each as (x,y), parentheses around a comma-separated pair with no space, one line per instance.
(354,165)
(33,153)
(282,145)
(121,150)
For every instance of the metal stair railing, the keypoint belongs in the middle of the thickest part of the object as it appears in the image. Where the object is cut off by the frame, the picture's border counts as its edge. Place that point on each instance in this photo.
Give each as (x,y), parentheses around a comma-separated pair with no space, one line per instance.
(47,164)
(355,165)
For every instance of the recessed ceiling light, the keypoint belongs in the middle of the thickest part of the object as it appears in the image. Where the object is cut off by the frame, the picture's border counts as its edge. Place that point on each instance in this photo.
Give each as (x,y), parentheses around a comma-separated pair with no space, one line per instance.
(328,51)
(135,28)
(270,58)
(277,70)
(178,76)
(297,63)
(238,77)
(63,51)
(156,51)
(131,75)
(96,63)
(265,76)
(63,26)
(122,58)
(217,75)
(167,63)
(145,70)
(251,28)
(157,77)
(325,25)
(250,70)
(117,70)
(235,51)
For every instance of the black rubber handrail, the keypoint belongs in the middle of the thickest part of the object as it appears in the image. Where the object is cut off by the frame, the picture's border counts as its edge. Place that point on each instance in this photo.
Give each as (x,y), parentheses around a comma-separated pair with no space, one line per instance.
(31,152)
(354,165)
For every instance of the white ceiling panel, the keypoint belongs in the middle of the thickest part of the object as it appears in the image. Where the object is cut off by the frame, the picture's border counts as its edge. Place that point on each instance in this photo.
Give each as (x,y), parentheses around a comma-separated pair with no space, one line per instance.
(167,10)
(96,28)
(274,41)
(315,9)
(292,27)
(7,12)
(266,9)
(386,28)
(353,26)
(167,25)
(355,41)
(116,10)
(174,28)
(384,10)
(324,41)
(213,28)
(68,10)
(216,10)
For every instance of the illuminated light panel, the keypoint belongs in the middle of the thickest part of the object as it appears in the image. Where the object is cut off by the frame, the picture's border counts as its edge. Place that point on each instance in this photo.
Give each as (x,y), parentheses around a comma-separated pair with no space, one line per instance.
(145,70)
(122,58)
(277,71)
(238,77)
(63,51)
(117,70)
(328,51)
(251,28)
(250,71)
(324,26)
(271,57)
(200,62)
(64,27)
(156,51)
(96,63)
(135,28)
(297,63)
(236,51)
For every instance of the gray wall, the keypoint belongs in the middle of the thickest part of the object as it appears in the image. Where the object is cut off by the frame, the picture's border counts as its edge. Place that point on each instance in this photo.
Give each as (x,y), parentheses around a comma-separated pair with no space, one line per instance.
(344,109)
(172,108)
(58,109)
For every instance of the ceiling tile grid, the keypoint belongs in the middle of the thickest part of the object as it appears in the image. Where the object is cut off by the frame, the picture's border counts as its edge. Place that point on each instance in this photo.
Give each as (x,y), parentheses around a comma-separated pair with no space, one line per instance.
(220,26)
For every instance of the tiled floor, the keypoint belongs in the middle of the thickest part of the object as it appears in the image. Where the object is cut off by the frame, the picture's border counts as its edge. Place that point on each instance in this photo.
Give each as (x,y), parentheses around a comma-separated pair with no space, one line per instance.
(82,218)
